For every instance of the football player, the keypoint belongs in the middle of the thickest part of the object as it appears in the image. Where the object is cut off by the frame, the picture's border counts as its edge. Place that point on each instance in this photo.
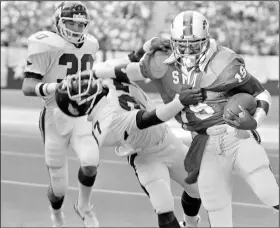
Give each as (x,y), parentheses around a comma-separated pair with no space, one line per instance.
(122,115)
(220,144)
(51,57)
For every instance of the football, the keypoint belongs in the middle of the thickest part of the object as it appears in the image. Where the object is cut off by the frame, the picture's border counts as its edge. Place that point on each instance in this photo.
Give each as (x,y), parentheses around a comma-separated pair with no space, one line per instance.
(246,100)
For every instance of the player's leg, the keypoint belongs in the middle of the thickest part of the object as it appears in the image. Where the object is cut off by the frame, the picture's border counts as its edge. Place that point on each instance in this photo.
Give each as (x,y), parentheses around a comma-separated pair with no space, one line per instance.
(190,199)
(154,179)
(252,164)
(215,183)
(56,147)
(87,151)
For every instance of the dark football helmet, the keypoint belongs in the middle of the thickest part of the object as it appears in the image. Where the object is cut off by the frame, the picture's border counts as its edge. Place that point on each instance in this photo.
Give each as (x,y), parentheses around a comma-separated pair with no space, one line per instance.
(74,11)
(76,94)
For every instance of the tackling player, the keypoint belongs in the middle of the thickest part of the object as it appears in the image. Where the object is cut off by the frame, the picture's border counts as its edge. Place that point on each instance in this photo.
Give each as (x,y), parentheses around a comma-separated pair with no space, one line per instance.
(220,145)
(122,115)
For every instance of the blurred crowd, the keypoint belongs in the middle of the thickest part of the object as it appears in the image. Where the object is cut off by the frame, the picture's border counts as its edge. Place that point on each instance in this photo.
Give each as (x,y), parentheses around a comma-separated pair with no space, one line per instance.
(250,27)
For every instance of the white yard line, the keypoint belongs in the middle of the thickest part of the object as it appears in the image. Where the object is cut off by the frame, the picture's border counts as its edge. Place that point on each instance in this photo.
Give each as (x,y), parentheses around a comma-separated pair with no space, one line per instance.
(109,191)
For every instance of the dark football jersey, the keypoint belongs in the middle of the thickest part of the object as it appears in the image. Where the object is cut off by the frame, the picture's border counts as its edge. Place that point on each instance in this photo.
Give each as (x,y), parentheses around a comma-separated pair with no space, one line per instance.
(224,71)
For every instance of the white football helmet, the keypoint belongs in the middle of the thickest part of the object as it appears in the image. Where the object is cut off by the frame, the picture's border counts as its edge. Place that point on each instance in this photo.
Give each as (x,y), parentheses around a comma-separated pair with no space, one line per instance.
(74,11)
(189,37)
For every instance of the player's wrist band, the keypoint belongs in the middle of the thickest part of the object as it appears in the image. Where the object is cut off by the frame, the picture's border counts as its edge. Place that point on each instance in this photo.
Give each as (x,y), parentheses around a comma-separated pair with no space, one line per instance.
(45,89)
(168,111)
(39,89)
(259,116)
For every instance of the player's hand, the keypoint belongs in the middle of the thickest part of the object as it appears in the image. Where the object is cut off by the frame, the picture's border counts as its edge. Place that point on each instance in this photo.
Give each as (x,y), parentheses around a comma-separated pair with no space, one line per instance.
(157,43)
(150,46)
(63,84)
(244,121)
(191,97)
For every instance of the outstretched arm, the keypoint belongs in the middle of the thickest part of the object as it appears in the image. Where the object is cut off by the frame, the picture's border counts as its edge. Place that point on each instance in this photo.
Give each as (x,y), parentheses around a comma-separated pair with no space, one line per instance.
(129,68)
(165,112)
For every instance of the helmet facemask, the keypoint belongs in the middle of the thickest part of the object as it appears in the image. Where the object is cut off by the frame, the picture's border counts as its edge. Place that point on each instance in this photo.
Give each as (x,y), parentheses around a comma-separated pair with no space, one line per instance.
(83,89)
(72,36)
(189,53)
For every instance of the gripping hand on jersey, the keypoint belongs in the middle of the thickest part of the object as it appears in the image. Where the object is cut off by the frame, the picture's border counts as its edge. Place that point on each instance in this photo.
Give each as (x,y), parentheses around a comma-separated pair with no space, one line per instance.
(191,97)
(244,121)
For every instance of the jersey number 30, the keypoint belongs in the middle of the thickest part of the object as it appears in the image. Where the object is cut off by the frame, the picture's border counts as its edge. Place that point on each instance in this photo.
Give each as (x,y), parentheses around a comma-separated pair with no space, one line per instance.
(71,58)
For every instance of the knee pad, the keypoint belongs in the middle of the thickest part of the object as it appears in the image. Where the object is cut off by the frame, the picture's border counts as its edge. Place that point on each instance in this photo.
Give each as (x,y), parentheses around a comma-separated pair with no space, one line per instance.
(264,185)
(87,175)
(160,196)
(59,180)
(56,202)
(89,170)
(190,205)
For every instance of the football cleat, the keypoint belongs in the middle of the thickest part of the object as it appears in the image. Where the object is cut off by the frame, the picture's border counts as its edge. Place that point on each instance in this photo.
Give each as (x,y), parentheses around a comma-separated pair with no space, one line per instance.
(57,217)
(89,217)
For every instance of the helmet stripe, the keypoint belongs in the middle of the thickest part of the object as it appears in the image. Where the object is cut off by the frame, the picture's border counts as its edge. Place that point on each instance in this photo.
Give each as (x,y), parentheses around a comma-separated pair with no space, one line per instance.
(188,23)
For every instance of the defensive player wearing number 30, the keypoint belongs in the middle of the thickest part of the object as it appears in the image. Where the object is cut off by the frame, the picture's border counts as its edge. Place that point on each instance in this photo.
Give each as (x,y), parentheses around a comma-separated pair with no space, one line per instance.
(52,56)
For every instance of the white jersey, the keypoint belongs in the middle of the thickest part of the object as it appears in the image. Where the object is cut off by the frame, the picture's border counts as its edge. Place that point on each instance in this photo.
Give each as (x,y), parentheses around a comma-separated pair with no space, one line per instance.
(54,58)
(114,119)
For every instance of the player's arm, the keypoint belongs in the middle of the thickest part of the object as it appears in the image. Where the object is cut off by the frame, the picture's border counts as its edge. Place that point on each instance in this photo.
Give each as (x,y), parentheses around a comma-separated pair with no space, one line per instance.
(165,112)
(244,82)
(263,97)
(130,69)
(36,68)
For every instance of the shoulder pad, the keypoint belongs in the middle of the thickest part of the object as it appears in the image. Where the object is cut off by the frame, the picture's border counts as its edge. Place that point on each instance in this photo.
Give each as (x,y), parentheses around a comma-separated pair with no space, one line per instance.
(231,73)
(45,41)
(152,66)
(93,41)
(223,59)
